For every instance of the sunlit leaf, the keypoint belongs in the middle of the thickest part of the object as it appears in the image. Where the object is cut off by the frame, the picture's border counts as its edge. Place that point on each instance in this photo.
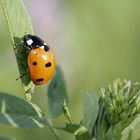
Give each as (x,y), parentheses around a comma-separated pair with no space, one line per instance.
(18,24)
(132,132)
(57,94)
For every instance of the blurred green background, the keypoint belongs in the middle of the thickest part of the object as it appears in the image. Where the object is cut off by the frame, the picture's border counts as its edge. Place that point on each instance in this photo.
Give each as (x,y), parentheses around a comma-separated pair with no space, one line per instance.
(94,42)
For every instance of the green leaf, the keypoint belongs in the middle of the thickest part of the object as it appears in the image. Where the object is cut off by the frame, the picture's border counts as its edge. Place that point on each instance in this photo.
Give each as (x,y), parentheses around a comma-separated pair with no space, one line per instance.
(57,94)
(101,125)
(17,112)
(18,24)
(71,128)
(80,132)
(132,132)
(91,109)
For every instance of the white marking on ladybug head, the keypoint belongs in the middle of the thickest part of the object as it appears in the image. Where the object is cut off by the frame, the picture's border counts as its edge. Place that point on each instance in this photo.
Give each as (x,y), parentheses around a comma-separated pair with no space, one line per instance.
(29,42)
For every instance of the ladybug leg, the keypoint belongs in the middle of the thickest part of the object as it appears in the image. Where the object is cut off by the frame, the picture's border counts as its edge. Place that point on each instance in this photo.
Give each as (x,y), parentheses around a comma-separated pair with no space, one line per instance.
(22,75)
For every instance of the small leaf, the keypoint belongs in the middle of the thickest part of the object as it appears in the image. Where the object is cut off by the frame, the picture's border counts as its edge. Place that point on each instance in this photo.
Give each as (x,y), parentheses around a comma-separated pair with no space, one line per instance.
(57,94)
(17,112)
(80,132)
(91,109)
(18,24)
(71,128)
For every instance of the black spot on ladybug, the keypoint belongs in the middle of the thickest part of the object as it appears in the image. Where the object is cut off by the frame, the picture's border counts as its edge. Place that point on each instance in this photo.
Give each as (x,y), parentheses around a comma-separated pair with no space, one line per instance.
(39,80)
(48,64)
(46,48)
(34,63)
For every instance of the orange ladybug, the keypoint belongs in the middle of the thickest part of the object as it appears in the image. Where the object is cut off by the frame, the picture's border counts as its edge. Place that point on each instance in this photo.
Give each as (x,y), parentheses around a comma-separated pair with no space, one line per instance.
(41,61)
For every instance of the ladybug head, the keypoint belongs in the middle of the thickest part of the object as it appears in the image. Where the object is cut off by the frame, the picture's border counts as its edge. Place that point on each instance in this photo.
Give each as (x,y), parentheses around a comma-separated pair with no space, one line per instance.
(32,41)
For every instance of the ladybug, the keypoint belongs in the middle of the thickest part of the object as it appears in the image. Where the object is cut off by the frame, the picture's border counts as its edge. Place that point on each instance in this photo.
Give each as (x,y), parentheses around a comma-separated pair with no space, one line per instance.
(40,59)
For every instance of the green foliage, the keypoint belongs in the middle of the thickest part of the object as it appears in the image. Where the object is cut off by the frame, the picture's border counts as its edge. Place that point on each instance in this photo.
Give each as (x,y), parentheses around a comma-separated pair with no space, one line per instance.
(121,105)
(57,94)
(122,101)
(113,115)
(91,109)
(80,132)
(131,132)
(98,121)
(18,24)
(17,112)
(101,125)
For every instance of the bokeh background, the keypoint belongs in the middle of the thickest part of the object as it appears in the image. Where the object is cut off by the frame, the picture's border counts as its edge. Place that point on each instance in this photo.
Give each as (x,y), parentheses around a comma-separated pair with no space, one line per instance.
(94,42)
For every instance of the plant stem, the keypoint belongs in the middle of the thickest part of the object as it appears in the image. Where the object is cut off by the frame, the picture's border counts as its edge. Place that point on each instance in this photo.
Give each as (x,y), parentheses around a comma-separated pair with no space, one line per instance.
(67,113)
(50,125)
